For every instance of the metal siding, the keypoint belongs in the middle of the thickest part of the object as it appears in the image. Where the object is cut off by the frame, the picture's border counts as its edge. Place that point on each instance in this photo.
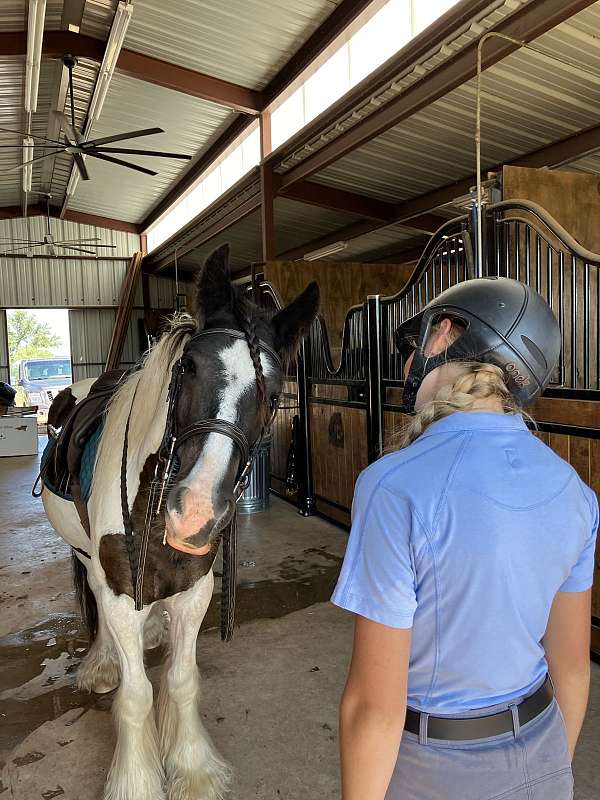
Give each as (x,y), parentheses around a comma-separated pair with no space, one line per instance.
(12,87)
(35,227)
(27,282)
(91,332)
(528,101)
(162,292)
(4,367)
(240,41)
(190,125)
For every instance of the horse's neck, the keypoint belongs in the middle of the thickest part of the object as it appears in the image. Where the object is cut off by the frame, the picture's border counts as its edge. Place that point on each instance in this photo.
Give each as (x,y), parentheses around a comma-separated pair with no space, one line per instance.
(145,433)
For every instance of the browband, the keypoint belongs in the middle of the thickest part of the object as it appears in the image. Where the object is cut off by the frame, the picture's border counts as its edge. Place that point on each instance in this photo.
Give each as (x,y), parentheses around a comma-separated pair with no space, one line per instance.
(236,335)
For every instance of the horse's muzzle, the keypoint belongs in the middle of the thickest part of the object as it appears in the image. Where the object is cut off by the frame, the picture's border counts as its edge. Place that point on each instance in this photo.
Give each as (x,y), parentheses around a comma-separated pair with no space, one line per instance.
(195,533)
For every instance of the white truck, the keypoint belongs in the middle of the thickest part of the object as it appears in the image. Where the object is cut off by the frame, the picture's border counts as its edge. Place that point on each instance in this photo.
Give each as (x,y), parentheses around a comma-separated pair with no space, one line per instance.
(41,379)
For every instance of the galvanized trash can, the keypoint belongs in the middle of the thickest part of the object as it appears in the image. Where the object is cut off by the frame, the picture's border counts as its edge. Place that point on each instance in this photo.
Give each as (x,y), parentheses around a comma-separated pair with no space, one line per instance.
(256,496)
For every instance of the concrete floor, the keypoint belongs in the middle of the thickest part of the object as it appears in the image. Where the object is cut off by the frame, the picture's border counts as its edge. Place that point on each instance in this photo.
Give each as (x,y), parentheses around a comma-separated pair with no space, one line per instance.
(270,696)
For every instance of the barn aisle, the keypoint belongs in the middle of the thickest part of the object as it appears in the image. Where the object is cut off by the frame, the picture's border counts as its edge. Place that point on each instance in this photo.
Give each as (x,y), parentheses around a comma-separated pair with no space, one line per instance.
(283,672)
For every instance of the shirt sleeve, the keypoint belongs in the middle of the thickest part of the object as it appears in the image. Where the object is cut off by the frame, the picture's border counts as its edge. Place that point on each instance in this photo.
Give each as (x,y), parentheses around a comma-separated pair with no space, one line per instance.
(582,574)
(377,580)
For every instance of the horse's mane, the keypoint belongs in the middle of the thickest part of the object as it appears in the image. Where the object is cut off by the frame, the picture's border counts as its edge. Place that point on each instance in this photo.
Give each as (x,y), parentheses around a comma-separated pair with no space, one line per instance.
(144,391)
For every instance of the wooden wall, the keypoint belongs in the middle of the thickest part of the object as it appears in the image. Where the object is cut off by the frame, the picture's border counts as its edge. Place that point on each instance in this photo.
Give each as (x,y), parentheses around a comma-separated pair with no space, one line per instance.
(342,285)
(572,198)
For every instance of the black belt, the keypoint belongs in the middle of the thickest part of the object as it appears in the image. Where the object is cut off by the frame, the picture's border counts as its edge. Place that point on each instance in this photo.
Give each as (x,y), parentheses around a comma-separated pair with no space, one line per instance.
(482,727)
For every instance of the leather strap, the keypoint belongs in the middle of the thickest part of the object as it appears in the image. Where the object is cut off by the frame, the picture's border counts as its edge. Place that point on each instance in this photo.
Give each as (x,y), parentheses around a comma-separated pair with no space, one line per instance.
(221,426)
(482,727)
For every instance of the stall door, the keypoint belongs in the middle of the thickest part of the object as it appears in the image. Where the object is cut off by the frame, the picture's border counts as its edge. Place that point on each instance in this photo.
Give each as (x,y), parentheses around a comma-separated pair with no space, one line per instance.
(91,330)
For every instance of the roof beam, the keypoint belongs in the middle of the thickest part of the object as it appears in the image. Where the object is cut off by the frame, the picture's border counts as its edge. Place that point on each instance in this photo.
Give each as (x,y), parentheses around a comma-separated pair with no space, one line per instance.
(144,68)
(317,194)
(531,21)
(353,231)
(38,210)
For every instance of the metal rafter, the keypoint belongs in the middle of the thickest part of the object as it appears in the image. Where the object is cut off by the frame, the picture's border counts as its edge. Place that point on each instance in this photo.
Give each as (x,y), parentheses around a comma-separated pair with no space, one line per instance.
(137,65)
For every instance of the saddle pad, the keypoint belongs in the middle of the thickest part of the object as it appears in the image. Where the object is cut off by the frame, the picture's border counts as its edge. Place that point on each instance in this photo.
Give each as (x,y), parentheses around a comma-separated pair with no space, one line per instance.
(88,458)
(46,456)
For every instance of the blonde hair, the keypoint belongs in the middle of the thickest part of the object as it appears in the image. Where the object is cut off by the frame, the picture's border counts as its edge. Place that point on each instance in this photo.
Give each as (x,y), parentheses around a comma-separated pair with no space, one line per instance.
(478,382)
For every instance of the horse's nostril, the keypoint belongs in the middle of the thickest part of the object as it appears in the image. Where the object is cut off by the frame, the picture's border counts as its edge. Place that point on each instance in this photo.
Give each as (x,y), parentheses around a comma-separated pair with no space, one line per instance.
(176,499)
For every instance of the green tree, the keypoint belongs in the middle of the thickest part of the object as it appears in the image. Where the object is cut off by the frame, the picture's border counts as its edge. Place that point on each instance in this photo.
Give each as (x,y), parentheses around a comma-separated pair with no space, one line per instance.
(28,338)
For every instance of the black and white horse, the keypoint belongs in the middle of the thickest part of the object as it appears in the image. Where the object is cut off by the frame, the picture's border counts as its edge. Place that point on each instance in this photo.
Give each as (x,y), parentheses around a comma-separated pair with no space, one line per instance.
(231,375)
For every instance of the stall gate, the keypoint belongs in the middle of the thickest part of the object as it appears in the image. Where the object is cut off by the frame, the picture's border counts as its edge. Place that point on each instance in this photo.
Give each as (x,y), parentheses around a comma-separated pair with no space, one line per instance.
(347,412)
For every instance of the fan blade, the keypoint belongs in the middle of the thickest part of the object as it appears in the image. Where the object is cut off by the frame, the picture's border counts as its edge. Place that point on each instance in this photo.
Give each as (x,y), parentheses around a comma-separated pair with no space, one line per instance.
(141,152)
(89,240)
(70,132)
(23,247)
(85,243)
(25,163)
(33,136)
(120,137)
(85,175)
(122,163)
(36,146)
(77,249)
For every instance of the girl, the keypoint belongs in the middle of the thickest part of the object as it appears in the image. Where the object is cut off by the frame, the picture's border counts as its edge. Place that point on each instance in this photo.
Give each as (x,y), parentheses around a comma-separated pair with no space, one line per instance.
(469,567)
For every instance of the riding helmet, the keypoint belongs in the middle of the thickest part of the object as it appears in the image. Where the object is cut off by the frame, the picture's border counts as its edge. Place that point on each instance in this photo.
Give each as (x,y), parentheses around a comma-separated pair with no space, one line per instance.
(506,323)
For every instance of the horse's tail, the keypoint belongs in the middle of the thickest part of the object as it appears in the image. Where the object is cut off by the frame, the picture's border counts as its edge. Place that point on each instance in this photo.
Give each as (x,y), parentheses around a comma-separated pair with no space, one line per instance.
(85,597)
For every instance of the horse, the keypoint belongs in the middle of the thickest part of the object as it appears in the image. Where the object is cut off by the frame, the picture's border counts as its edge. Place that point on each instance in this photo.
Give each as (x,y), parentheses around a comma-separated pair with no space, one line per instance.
(212,379)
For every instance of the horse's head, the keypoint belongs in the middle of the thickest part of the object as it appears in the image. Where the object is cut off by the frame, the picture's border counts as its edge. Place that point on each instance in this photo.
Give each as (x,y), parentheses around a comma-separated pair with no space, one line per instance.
(232,379)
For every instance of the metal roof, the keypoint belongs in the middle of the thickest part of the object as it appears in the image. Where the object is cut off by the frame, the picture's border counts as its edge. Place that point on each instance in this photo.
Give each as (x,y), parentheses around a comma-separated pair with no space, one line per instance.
(244,238)
(381,243)
(239,41)
(297,223)
(14,14)
(528,101)
(190,126)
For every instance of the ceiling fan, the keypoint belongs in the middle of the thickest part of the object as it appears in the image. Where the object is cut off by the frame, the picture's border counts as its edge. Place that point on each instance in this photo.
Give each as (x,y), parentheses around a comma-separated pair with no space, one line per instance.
(28,245)
(74,144)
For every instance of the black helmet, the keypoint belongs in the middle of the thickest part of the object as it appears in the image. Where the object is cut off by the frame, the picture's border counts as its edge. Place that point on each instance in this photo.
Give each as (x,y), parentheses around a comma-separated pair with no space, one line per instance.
(506,323)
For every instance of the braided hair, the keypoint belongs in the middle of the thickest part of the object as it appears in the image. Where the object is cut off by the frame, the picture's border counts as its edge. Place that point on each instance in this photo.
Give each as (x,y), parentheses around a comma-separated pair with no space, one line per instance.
(245,318)
(478,382)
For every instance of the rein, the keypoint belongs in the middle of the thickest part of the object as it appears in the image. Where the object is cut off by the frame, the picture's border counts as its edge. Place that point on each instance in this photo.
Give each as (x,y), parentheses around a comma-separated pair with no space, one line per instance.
(166,469)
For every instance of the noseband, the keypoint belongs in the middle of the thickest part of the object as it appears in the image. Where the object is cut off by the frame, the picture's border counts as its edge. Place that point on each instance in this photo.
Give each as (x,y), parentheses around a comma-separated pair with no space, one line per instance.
(168,465)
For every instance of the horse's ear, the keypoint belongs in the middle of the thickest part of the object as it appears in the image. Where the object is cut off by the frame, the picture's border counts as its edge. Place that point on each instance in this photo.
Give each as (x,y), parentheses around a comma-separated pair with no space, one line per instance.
(214,292)
(294,321)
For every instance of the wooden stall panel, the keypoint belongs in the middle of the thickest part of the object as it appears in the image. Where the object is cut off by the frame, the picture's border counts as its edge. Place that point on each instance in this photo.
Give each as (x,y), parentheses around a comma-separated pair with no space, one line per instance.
(339,450)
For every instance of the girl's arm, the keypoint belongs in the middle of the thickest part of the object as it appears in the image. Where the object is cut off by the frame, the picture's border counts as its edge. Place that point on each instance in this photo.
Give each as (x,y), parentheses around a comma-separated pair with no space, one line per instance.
(567,646)
(373,709)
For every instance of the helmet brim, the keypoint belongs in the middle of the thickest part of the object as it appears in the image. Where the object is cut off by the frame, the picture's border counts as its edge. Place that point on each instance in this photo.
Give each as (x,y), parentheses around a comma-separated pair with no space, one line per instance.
(408,333)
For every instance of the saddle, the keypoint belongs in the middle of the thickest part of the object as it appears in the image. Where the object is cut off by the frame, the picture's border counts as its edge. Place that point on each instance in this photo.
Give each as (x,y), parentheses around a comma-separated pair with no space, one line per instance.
(79,425)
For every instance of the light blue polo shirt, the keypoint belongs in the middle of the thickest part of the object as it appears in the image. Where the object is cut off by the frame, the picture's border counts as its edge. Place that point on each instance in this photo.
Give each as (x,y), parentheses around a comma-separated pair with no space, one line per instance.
(466,536)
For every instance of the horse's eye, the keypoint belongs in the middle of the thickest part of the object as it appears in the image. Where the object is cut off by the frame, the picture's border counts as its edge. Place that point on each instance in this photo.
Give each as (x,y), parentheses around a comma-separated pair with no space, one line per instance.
(189,365)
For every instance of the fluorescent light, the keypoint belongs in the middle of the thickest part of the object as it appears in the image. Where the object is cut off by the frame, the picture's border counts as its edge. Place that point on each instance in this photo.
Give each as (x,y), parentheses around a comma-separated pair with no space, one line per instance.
(35,34)
(109,62)
(27,156)
(336,247)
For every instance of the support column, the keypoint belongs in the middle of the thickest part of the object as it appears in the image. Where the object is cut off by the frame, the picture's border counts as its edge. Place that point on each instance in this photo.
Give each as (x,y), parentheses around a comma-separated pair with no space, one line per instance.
(374,387)
(306,499)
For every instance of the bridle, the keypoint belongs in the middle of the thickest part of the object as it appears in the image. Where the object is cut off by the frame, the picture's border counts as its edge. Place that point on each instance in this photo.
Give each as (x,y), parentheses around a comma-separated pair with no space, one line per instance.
(167,467)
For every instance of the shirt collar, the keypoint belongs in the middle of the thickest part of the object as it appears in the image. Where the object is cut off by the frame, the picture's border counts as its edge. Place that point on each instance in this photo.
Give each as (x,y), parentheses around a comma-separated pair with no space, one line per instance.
(477,421)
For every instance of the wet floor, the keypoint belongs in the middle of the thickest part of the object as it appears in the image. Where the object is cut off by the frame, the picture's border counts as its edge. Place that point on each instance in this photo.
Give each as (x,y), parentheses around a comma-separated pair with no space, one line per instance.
(286,563)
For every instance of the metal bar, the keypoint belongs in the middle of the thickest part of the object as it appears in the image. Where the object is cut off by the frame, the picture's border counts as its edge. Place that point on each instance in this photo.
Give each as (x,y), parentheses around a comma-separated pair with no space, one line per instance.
(586,325)
(518,251)
(374,382)
(574,322)
(538,262)
(561,311)
(305,490)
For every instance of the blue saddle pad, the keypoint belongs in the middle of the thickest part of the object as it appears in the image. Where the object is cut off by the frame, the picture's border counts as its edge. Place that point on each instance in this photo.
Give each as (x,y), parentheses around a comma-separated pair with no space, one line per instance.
(86,470)
(88,458)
